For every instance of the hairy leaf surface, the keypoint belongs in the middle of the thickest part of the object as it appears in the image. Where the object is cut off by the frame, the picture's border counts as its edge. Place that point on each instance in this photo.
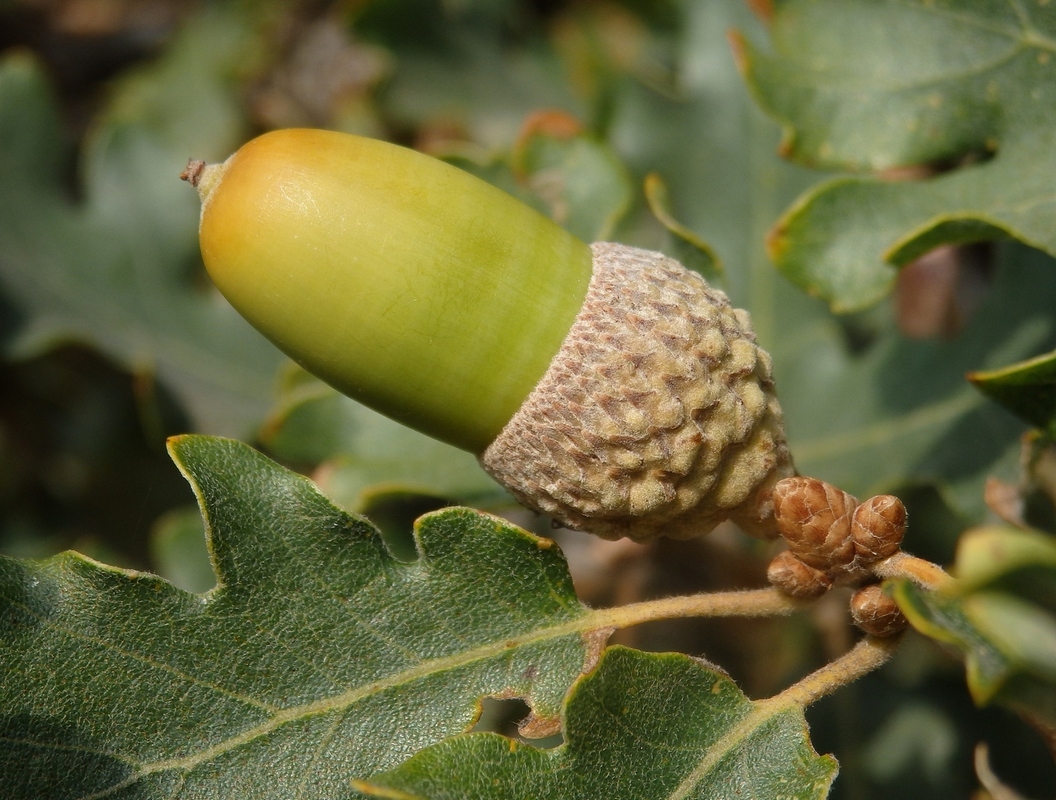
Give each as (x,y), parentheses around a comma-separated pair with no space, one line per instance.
(318,657)
(641,727)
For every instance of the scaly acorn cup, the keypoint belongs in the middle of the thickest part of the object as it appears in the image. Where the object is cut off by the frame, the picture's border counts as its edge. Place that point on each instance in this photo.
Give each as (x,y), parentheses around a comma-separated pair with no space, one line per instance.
(606,386)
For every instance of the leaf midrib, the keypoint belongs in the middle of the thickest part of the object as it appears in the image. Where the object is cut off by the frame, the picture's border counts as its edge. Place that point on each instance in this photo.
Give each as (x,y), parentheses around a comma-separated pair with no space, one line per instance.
(579,625)
(762,711)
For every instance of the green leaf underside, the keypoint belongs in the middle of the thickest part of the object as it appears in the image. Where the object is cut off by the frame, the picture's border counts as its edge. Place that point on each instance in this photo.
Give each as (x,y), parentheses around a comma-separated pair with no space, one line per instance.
(642,727)
(946,80)
(114,269)
(1027,389)
(1000,613)
(318,658)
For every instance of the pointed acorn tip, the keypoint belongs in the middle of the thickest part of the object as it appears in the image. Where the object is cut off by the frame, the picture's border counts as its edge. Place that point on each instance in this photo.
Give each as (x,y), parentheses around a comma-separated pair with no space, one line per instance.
(193,172)
(202,176)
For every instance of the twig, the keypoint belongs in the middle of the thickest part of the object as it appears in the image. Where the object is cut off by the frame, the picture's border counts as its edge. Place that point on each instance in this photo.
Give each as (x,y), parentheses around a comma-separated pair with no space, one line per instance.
(903,565)
(869,654)
(754,603)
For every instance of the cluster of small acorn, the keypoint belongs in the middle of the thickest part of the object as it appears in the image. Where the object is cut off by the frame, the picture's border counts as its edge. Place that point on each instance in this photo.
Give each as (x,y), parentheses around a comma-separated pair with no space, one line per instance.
(835,540)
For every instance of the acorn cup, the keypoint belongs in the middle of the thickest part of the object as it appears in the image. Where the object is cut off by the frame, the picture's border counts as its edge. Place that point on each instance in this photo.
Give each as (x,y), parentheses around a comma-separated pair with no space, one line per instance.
(603,385)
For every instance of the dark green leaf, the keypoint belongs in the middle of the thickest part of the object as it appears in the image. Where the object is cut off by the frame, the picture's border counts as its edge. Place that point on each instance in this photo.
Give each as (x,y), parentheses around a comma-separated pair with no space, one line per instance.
(901,412)
(317,658)
(951,82)
(451,66)
(1027,389)
(641,727)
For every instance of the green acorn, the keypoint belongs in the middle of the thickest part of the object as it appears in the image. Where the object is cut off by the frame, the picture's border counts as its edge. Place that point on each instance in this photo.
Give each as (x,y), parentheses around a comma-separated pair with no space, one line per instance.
(604,385)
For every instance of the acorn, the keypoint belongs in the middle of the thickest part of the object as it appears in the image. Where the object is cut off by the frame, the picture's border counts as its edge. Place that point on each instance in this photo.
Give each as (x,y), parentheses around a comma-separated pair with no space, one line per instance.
(604,385)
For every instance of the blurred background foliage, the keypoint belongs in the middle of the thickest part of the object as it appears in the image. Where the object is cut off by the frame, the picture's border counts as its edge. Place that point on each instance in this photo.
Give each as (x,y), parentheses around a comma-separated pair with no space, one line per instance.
(621,119)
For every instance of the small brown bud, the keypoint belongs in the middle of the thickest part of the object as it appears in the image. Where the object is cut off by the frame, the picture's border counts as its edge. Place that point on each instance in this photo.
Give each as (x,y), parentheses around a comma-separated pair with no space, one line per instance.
(878,526)
(875,612)
(795,578)
(815,517)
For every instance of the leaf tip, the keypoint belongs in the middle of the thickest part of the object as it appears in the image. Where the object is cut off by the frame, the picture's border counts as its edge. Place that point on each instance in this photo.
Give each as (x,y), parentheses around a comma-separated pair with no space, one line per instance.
(174,444)
(763,9)
(739,46)
(776,242)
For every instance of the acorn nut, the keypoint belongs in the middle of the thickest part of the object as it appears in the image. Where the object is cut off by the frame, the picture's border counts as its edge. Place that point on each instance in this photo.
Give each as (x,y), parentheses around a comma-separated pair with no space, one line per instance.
(606,386)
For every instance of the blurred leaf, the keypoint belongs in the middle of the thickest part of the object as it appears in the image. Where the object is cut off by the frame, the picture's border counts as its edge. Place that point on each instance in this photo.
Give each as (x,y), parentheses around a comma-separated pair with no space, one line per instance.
(997,789)
(915,734)
(115,269)
(1001,614)
(362,452)
(988,555)
(317,658)
(640,726)
(461,64)
(585,187)
(948,81)
(892,413)
(685,245)
(1027,389)
(901,412)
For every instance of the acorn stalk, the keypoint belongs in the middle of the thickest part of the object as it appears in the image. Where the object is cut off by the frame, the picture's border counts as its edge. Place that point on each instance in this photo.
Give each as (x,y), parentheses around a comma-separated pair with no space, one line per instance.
(606,386)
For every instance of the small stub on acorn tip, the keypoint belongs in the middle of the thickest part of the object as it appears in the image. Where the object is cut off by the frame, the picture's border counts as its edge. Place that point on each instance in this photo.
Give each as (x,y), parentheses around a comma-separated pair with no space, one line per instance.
(193,172)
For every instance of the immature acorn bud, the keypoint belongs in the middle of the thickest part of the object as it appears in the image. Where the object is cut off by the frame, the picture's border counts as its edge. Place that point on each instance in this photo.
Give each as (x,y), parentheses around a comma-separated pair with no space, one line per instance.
(795,578)
(814,517)
(875,612)
(878,527)
(606,386)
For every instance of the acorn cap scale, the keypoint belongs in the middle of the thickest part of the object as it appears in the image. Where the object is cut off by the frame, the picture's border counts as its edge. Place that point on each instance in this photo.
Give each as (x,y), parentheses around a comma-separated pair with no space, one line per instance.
(606,386)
